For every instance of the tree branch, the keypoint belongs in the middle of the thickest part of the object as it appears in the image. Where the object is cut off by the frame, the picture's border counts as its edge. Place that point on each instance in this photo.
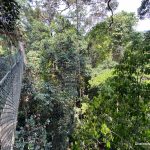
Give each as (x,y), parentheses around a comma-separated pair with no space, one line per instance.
(112,14)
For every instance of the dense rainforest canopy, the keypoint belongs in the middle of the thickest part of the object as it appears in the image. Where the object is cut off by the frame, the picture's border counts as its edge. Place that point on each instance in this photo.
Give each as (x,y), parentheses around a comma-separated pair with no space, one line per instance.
(86,81)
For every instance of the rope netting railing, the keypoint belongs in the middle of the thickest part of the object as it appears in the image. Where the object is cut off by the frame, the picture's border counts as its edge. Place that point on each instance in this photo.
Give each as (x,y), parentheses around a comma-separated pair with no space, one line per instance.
(11,71)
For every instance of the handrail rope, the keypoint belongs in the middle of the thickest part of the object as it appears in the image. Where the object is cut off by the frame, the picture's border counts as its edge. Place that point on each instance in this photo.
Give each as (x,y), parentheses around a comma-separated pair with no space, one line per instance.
(10,103)
(9,72)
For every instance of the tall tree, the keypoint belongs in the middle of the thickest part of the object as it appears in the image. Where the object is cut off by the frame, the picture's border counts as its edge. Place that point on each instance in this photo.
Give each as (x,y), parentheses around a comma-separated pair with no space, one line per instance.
(107,42)
(122,106)
(54,54)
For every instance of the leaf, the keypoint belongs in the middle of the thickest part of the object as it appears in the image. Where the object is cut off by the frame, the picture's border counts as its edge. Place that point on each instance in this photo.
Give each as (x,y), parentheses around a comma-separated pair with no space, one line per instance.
(84,107)
(104,129)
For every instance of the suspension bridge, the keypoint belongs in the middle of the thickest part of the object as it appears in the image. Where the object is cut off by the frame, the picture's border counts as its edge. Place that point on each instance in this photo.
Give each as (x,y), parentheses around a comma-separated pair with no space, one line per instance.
(11,72)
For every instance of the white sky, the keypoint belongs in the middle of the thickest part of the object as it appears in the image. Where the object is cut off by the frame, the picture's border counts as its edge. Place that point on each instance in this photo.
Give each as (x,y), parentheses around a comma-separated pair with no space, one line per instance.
(131,6)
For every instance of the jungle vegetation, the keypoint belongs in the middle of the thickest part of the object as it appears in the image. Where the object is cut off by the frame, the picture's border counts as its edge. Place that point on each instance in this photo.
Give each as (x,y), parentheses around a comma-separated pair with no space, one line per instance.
(86,82)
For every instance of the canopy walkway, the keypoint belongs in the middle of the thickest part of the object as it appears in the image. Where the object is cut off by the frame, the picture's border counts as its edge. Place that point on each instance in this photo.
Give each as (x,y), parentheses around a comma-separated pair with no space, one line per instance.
(11,72)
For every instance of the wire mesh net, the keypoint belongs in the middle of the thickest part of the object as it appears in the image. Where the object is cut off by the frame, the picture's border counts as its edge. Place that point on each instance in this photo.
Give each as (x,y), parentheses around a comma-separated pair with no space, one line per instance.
(11,71)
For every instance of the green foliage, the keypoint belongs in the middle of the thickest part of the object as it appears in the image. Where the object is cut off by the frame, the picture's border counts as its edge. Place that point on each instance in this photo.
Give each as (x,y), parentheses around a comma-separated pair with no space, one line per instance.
(55,65)
(104,43)
(9,14)
(100,79)
(75,93)
(91,131)
(33,136)
(118,117)
(101,74)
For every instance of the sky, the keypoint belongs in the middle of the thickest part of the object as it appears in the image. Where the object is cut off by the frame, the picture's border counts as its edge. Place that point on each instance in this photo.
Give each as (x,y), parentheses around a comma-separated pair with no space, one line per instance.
(132,6)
